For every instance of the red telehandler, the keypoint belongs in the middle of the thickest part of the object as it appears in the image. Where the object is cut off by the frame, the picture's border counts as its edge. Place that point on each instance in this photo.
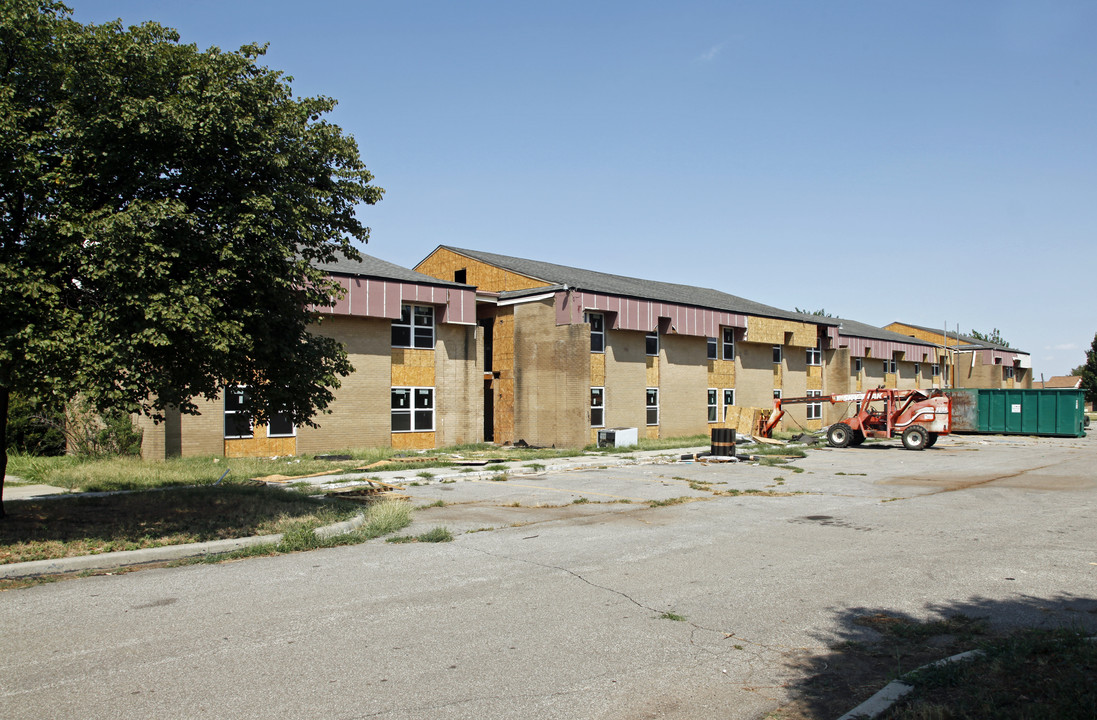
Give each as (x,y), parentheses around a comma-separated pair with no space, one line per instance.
(918,416)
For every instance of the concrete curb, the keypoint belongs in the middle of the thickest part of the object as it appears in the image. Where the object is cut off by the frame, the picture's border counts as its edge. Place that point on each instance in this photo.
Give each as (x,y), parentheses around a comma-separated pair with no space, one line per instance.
(896,689)
(129,558)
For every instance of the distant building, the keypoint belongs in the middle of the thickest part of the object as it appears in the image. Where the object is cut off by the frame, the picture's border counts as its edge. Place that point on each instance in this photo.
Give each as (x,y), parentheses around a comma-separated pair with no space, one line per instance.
(975,363)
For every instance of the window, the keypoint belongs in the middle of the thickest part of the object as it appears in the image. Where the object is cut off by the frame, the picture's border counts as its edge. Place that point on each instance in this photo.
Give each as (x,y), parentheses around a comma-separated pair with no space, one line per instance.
(917,369)
(729,400)
(597,407)
(857,366)
(1008,372)
(653,406)
(889,366)
(935,369)
(237,420)
(652,343)
(729,343)
(238,423)
(713,411)
(776,394)
(815,355)
(412,409)
(815,410)
(461,276)
(597,332)
(712,348)
(776,354)
(415,328)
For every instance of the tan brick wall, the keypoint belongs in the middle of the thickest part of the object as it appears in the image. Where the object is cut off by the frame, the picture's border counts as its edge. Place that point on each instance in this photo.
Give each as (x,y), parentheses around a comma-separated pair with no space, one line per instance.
(754,375)
(203,434)
(626,380)
(552,378)
(459,379)
(259,445)
(683,389)
(361,413)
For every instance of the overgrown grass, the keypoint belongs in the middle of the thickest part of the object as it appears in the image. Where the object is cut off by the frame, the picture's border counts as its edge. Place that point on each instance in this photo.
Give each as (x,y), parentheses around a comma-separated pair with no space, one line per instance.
(66,527)
(656,444)
(1030,674)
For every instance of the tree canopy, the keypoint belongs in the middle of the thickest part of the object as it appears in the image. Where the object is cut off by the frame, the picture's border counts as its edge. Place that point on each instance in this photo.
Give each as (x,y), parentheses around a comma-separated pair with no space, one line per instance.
(994,336)
(161,213)
(1088,372)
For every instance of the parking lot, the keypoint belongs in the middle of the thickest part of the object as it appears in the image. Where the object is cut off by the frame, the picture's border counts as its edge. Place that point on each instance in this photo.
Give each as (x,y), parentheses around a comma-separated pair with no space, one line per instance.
(664,589)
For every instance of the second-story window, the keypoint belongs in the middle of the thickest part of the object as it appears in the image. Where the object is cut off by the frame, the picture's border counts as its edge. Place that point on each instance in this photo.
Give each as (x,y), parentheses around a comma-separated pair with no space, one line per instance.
(815,356)
(415,328)
(651,343)
(729,343)
(597,332)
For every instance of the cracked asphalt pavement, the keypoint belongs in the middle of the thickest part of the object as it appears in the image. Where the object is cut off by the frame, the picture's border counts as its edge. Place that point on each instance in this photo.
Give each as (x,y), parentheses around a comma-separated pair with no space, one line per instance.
(547,608)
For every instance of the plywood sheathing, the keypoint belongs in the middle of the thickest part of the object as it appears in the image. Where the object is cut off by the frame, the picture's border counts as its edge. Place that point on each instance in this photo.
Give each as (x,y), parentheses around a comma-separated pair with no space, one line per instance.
(412,367)
(652,371)
(721,374)
(745,420)
(443,263)
(502,363)
(770,331)
(413,440)
(260,445)
(597,369)
(815,377)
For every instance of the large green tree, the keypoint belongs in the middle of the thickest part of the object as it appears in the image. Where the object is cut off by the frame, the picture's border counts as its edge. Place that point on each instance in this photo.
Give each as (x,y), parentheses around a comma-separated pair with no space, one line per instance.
(161,213)
(1088,372)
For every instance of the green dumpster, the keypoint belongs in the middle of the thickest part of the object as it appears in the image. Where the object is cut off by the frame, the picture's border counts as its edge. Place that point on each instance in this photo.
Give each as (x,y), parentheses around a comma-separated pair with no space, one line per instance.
(1056,413)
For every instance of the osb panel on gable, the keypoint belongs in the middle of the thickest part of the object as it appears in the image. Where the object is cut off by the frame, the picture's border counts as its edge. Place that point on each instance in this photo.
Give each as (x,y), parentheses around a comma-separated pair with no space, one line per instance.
(413,441)
(443,263)
(412,367)
(770,331)
(926,335)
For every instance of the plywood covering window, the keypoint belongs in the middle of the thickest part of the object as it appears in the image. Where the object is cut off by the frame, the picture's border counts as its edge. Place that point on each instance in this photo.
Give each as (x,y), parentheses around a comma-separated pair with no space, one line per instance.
(415,328)
(412,409)
(713,409)
(597,407)
(653,406)
(597,332)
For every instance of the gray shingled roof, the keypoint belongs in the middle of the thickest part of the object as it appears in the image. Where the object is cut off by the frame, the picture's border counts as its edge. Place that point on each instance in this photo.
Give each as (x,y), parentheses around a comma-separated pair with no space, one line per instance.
(965,338)
(370,266)
(579,279)
(871,332)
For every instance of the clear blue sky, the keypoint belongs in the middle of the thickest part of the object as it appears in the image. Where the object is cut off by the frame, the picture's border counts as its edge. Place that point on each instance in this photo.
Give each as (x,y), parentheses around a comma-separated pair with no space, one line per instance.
(931,162)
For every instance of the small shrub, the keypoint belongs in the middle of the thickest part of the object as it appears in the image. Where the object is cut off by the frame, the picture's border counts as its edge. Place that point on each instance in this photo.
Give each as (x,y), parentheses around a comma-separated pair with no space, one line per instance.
(580,501)
(436,535)
(386,517)
(499,477)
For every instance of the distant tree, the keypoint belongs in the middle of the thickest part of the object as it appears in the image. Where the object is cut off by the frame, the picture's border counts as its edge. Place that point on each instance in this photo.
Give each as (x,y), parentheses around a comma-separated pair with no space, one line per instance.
(820,312)
(1088,372)
(161,213)
(994,336)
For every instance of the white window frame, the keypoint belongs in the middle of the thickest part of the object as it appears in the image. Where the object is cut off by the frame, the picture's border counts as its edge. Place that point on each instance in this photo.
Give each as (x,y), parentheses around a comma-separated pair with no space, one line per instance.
(599,407)
(815,410)
(653,335)
(242,390)
(935,369)
(728,343)
(815,355)
(889,364)
(600,334)
(412,326)
(713,405)
(776,393)
(712,349)
(778,355)
(649,394)
(411,411)
(724,397)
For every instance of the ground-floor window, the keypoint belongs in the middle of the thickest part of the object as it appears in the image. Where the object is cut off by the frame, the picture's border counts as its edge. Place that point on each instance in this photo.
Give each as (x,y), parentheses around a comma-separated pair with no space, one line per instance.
(597,407)
(653,406)
(412,409)
(815,410)
(237,420)
(729,400)
(713,408)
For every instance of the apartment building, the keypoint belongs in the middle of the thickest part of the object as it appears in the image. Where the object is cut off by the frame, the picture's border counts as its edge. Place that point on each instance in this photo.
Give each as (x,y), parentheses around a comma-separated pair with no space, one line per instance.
(974,363)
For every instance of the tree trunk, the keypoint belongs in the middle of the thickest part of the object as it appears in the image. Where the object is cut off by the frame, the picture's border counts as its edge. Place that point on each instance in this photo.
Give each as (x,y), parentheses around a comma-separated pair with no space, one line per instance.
(5,393)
